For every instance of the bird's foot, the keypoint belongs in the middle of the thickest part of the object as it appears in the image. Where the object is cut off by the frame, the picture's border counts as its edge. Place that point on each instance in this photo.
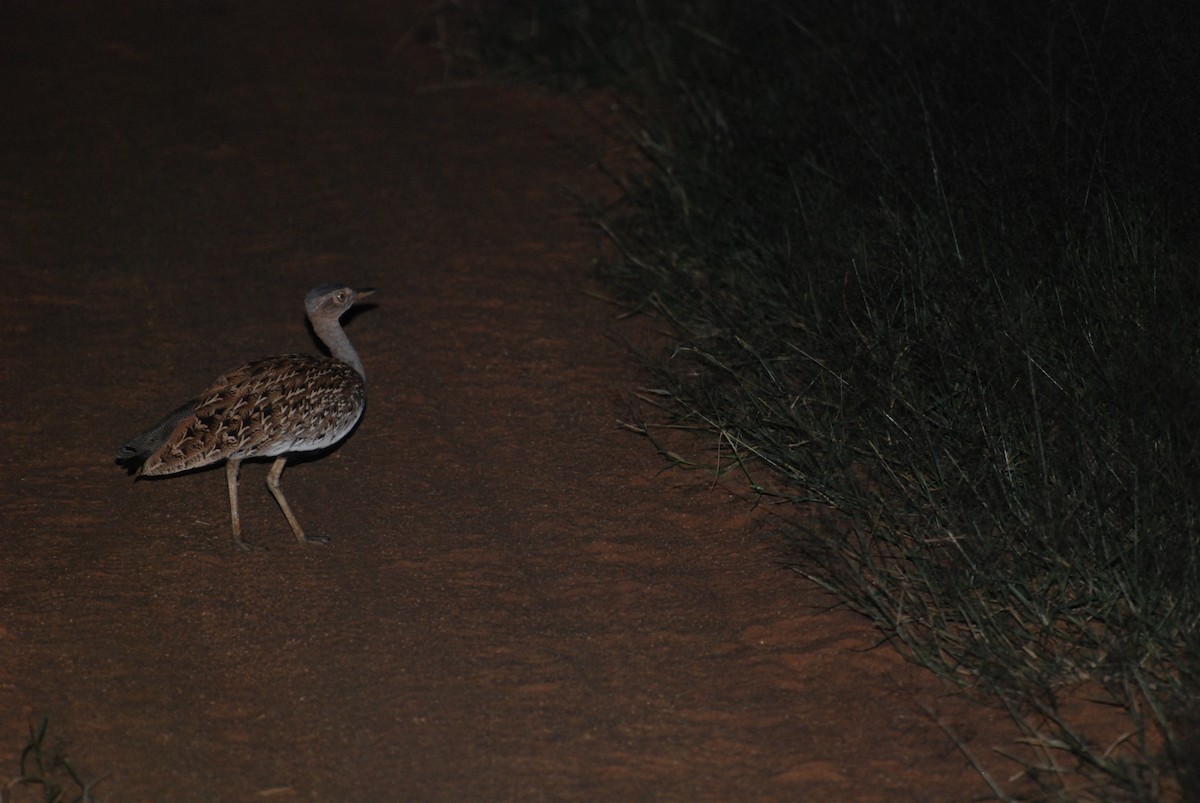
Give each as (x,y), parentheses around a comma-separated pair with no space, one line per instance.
(312,539)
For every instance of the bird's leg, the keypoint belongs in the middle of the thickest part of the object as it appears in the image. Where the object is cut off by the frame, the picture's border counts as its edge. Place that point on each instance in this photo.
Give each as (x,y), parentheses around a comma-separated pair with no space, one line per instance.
(231,479)
(277,492)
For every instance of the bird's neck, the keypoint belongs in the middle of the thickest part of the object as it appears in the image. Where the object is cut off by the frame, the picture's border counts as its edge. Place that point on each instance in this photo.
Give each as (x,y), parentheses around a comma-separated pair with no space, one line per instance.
(334,337)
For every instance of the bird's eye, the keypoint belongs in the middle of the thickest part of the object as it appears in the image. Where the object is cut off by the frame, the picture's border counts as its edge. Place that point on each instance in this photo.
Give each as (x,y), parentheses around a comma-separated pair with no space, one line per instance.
(341,297)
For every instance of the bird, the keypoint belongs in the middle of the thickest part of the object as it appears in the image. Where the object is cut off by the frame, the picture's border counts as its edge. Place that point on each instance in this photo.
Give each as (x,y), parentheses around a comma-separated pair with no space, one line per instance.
(267,408)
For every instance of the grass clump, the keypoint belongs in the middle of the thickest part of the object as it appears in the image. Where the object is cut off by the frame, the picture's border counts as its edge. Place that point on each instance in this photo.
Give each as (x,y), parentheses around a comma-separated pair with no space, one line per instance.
(932,266)
(48,770)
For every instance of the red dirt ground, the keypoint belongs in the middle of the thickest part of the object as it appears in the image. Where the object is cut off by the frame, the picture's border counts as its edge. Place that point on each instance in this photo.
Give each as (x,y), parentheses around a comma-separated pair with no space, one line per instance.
(516,604)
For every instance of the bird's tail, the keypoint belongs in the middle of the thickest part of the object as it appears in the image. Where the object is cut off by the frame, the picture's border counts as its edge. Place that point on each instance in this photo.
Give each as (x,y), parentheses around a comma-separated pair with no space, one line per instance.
(135,451)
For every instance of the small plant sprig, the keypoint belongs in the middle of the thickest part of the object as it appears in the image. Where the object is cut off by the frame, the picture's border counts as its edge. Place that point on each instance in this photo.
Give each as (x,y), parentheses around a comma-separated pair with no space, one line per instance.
(49,769)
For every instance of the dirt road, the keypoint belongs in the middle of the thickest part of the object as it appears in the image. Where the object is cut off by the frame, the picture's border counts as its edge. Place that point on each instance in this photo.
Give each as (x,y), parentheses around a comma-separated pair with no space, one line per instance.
(516,604)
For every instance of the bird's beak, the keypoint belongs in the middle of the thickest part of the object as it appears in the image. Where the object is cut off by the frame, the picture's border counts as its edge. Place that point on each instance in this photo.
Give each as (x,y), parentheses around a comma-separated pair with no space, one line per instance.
(363,292)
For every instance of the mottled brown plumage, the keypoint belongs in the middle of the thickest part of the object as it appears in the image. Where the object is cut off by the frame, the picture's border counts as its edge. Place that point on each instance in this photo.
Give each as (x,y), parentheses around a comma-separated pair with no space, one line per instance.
(266,408)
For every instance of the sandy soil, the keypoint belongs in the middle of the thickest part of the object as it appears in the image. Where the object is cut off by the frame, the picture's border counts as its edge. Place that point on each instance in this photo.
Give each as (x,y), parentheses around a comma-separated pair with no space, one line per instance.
(516,603)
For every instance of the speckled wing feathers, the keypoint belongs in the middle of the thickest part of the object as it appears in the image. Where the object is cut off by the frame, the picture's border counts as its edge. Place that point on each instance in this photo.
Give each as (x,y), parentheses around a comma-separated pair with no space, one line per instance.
(264,408)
